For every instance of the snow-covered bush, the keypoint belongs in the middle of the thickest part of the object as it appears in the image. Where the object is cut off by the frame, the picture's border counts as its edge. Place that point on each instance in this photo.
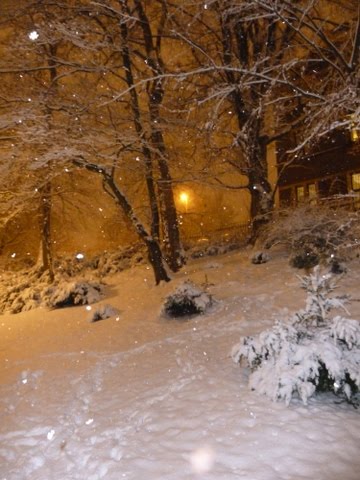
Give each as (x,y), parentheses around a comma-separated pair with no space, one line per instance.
(187,299)
(306,259)
(336,266)
(67,294)
(103,312)
(313,234)
(311,352)
(112,262)
(106,263)
(212,249)
(260,257)
(28,289)
(20,292)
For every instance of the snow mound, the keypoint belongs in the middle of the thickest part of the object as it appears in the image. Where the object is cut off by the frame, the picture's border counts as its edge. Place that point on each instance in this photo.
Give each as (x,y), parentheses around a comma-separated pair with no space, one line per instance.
(187,299)
(23,292)
(109,263)
(66,294)
(309,353)
(106,263)
(103,312)
(260,257)
(212,250)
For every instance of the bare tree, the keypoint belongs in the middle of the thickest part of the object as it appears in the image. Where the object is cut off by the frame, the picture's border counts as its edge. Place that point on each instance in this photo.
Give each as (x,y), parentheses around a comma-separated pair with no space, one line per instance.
(58,123)
(98,83)
(275,67)
(140,43)
(327,38)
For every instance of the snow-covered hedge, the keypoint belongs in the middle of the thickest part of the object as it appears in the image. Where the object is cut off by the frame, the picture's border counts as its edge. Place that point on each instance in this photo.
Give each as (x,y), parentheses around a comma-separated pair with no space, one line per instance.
(28,289)
(112,262)
(106,263)
(314,234)
(212,249)
(309,353)
(187,299)
(22,292)
(67,294)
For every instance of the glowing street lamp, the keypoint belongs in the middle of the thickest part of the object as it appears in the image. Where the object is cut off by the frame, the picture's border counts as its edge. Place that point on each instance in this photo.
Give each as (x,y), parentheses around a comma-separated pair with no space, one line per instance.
(184,199)
(354,132)
(354,135)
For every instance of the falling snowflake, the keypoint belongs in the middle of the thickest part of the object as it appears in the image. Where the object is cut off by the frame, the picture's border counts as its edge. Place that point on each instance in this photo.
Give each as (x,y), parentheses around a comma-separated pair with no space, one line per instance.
(33,35)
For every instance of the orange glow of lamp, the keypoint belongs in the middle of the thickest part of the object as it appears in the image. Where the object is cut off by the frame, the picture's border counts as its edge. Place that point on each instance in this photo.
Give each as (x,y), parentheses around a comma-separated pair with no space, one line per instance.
(184,199)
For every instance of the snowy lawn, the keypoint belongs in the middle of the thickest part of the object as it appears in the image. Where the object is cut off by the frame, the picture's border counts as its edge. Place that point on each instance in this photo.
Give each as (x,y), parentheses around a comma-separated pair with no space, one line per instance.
(141,396)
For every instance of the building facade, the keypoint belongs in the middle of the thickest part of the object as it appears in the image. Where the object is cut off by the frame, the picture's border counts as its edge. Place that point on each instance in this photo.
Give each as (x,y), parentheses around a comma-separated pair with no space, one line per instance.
(330,169)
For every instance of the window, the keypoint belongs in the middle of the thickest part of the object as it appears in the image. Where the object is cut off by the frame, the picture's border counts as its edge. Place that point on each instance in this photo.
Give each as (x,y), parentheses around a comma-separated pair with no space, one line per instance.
(307,192)
(312,190)
(355,181)
(300,194)
(355,186)
(312,194)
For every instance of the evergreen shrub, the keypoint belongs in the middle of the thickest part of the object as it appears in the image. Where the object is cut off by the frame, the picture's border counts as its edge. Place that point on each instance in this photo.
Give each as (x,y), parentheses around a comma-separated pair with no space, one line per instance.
(311,352)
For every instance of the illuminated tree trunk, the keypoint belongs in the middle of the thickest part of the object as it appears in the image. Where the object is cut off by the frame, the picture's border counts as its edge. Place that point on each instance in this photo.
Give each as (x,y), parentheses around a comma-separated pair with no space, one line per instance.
(254,165)
(135,108)
(155,91)
(153,248)
(170,224)
(154,251)
(45,254)
(261,194)
(242,45)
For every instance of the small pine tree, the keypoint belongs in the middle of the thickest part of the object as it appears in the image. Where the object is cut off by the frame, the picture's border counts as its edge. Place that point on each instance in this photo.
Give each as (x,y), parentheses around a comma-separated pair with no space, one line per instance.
(312,352)
(318,303)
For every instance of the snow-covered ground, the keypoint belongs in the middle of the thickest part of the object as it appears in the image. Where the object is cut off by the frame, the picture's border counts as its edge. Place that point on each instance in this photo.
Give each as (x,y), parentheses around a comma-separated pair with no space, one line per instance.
(140,396)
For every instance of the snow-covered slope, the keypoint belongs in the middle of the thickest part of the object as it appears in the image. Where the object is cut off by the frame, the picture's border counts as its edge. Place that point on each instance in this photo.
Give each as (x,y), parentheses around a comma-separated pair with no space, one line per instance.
(140,396)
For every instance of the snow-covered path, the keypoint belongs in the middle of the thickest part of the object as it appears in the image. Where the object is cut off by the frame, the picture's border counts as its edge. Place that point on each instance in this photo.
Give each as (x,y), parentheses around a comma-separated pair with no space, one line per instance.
(160,399)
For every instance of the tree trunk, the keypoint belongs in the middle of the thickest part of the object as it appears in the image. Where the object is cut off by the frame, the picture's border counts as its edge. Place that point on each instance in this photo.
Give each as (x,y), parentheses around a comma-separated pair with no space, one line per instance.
(254,148)
(169,220)
(261,203)
(135,108)
(156,260)
(170,224)
(259,187)
(45,256)
(154,251)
